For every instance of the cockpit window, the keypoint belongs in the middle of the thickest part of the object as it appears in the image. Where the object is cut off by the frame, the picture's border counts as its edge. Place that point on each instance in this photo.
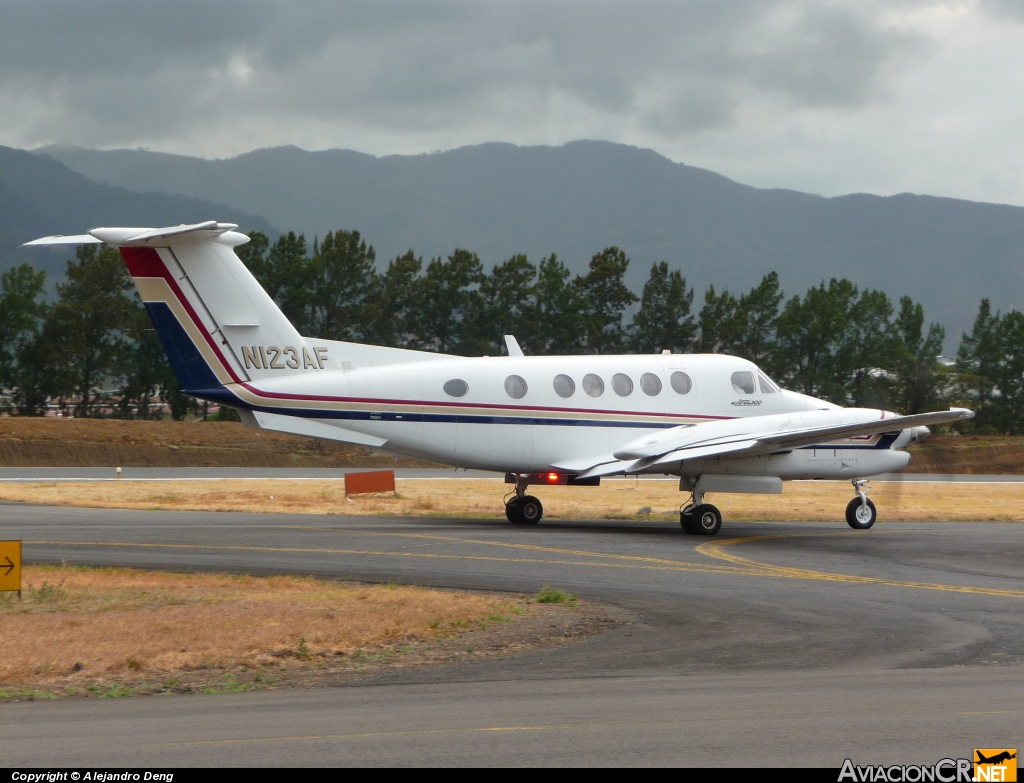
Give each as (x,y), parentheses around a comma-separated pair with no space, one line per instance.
(767,387)
(743,382)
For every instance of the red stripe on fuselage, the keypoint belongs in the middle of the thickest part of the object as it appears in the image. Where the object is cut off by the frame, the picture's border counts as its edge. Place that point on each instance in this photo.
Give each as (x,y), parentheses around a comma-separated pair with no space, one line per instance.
(146,262)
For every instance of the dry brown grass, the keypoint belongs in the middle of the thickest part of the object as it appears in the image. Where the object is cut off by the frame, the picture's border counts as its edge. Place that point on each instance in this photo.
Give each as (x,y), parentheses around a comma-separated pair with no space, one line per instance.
(51,442)
(81,627)
(614,499)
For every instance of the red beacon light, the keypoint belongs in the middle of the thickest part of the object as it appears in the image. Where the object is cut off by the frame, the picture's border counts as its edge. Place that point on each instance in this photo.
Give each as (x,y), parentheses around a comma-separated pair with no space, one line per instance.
(552,478)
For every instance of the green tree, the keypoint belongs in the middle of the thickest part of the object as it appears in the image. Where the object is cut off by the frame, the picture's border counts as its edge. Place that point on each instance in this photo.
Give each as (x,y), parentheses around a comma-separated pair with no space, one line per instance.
(337,281)
(22,311)
(557,316)
(390,303)
(145,369)
(443,298)
(990,371)
(871,353)
(605,298)
(917,375)
(663,321)
(979,365)
(507,299)
(38,372)
(721,323)
(759,313)
(285,271)
(815,335)
(90,321)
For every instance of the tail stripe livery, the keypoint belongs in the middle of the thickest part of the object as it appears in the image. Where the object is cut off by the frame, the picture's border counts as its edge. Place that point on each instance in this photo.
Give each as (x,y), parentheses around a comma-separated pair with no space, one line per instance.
(195,357)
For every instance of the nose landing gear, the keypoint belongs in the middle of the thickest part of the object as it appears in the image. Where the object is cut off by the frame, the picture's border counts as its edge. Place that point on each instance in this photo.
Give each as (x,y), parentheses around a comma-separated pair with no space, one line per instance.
(861,512)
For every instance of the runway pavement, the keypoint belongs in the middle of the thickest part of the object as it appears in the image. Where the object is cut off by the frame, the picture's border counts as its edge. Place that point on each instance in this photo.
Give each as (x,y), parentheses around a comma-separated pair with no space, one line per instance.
(779,644)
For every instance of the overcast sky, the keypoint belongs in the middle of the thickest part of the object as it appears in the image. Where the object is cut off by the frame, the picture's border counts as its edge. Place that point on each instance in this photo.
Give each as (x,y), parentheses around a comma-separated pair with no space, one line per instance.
(828,97)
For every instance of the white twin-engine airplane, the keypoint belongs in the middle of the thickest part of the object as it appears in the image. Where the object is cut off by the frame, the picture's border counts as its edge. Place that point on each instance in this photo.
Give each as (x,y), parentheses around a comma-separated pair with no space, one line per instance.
(717,422)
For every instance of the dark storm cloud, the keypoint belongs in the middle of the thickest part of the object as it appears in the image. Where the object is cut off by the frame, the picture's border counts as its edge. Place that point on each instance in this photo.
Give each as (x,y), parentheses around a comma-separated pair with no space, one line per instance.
(120,72)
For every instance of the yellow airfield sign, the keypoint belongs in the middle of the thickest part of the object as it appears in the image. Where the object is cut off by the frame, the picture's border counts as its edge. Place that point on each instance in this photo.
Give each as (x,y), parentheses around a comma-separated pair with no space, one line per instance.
(10,565)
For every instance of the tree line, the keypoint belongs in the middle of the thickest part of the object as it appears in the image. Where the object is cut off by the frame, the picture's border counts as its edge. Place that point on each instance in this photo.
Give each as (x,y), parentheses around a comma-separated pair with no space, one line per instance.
(93,351)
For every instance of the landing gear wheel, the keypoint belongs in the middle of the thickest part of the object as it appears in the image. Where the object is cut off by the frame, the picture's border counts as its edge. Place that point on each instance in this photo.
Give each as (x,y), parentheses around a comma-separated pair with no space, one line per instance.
(860,516)
(705,520)
(510,510)
(686,521)
(528,510)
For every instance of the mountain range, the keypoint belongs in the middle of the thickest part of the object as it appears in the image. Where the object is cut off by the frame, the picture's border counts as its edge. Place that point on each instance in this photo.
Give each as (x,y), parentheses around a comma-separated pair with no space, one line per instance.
(574,200)
(41,196)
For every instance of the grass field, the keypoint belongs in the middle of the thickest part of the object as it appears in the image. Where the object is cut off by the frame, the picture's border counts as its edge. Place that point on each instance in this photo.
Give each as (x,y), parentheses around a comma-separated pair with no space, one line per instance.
(117,631)
(50,442)
(614,499)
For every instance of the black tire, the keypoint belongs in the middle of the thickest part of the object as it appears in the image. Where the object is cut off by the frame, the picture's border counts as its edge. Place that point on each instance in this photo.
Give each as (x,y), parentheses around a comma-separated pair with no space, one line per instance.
(858,519)
(685,522)
(705,520)
(528,510)
(510,511)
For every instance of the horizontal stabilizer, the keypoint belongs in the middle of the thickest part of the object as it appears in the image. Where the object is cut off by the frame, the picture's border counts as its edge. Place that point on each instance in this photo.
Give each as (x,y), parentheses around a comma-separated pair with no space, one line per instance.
(150,237)
(60,239)
(294,425)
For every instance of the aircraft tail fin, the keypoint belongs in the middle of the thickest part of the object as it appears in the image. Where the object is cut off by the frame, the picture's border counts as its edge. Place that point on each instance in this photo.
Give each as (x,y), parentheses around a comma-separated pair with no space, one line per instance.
(213,318)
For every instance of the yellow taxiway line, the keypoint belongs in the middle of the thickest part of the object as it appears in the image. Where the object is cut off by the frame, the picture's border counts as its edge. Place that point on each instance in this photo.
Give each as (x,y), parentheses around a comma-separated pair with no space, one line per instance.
(717,549)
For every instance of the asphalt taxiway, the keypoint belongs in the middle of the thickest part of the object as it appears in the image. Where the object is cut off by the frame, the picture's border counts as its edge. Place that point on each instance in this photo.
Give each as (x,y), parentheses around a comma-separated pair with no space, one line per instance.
(786,644)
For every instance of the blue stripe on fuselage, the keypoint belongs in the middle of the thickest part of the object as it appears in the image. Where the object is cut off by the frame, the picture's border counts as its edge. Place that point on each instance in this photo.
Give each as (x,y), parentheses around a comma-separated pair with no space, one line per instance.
(190,368)
(223,395)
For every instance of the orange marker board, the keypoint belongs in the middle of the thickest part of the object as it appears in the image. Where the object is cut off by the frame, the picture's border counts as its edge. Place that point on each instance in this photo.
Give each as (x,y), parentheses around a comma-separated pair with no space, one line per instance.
(10,565)
(370,481)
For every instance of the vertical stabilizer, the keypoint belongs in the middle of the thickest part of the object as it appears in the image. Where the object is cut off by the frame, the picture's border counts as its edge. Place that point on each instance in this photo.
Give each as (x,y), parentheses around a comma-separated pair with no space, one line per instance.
(214,319)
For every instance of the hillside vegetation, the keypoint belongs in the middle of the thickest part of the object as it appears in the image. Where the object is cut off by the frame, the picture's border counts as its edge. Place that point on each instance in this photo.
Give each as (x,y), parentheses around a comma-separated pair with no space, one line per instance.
(573,200)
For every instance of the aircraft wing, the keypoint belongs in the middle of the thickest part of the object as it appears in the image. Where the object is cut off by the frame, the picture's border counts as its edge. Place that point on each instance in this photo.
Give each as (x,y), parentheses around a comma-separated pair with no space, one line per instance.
(809,436)
(761,437)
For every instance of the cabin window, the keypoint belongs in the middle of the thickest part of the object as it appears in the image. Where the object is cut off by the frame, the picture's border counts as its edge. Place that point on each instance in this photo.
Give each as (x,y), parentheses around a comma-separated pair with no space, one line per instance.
(622,384)
(650,384)
(767,387)
(593,385)
(743,382)
(456,387)
(564,386)
(681,383)
(516,387)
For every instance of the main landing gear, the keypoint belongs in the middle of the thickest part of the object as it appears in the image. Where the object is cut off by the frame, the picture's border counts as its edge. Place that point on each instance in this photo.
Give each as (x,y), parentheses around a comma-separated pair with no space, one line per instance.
(523,509)
(860,512)
(699,518)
